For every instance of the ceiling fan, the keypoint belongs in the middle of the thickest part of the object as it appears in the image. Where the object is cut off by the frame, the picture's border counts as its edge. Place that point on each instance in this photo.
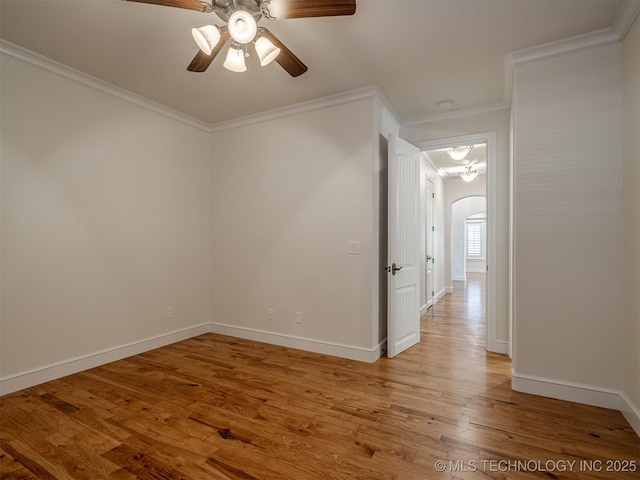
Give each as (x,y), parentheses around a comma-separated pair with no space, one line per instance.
(241,28)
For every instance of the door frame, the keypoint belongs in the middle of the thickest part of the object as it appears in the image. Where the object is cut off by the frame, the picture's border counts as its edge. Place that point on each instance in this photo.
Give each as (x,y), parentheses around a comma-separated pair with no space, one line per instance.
(428,235)
(490,139)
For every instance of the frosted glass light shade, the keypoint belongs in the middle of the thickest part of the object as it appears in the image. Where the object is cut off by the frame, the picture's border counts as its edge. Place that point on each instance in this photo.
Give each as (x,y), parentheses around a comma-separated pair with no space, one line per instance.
(242,26)
(235,60)
(469,175)
(206,37)
(458,153)
(266,50)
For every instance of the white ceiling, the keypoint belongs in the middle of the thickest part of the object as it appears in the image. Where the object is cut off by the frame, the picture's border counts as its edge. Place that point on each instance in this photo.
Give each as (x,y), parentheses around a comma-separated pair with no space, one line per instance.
(417,51)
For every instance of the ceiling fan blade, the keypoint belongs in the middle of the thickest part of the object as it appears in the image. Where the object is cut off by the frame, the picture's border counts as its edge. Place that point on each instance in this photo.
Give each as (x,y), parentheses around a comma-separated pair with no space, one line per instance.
(196,5)
(201,61)
(287,60)
(280,9)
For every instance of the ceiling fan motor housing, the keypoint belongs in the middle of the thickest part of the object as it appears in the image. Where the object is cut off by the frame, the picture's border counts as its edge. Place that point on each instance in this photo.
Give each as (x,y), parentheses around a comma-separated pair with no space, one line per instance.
(225,8)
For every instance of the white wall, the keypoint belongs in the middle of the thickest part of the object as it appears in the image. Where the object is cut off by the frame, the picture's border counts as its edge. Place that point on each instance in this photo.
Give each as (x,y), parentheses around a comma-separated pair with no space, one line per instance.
(631,227)
(454,191)
(105,221)
(288,195)
(462,208)
(567,211)
(497,121)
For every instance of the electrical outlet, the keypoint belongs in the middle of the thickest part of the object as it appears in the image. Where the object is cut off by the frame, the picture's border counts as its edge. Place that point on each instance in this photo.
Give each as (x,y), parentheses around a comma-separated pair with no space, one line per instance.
(271,313)
(299,318)
(169,313)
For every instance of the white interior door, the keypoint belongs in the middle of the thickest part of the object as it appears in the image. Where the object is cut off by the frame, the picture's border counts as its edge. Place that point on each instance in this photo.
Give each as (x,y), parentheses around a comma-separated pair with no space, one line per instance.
(403,286)
(430,238)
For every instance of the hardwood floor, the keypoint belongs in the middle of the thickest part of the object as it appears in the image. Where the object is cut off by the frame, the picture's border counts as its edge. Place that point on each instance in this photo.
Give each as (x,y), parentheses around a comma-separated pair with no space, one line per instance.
(215,407)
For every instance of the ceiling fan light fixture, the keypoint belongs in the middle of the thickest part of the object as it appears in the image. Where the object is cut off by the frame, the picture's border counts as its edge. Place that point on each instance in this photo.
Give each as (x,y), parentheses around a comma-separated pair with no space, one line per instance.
(235,60)
(206,37)
(458,153)
(266,50)
(242,26)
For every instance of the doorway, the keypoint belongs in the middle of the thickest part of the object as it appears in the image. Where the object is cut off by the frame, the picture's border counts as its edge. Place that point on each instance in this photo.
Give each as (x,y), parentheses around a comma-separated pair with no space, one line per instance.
(447,185)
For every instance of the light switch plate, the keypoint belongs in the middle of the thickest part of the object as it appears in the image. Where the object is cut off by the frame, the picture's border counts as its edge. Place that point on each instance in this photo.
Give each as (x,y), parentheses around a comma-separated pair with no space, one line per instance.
(354,247)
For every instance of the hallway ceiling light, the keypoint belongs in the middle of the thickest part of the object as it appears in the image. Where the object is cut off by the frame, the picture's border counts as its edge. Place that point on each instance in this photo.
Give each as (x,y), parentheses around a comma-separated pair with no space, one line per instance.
(458,153)
(468,175)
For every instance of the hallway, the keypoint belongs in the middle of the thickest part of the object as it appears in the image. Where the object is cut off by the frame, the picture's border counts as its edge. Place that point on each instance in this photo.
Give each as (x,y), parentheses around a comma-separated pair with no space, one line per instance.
(460,315)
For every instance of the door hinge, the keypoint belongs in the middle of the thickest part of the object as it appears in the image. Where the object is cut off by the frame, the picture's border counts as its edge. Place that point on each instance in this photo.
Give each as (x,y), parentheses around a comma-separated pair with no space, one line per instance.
(433,229)
(433,294)
(433,195)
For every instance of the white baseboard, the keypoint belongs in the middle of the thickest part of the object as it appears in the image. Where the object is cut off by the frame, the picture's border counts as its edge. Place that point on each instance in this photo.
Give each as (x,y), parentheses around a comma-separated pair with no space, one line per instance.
(436,298)
(573,392)
(499,346)
(476,270)
(545,387)
(442,292)
(425,307)
(30,378)
(631,412)
(458,278)
(326,348)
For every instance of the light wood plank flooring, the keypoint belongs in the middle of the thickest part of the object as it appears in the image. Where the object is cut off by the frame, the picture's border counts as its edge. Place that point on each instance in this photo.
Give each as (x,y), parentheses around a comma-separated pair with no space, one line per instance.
(215,407)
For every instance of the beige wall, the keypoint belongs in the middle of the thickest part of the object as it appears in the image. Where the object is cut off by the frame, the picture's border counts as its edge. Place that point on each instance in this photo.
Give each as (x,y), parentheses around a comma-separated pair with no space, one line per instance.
(105,221)
(567,214)
(288,196)
(631,227)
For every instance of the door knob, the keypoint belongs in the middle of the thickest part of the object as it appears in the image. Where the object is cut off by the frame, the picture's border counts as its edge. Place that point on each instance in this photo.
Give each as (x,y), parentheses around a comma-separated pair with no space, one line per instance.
(392,269)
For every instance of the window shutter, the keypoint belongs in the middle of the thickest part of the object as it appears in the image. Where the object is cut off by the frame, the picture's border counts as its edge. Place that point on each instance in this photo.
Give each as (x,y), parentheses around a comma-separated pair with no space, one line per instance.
(474,235)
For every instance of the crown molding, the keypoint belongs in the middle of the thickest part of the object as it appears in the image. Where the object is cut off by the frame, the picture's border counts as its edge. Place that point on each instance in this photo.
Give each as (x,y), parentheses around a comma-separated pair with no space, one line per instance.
(370,92)
(599,38)
(431,162)
(463,112)
(563,47)
(625,17)
(70,73)
(75,75)
(627,14)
